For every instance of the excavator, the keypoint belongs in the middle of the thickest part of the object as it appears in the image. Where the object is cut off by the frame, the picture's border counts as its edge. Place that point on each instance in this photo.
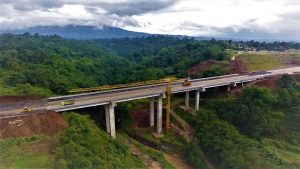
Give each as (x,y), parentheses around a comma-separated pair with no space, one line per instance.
(187,82)
(27,110)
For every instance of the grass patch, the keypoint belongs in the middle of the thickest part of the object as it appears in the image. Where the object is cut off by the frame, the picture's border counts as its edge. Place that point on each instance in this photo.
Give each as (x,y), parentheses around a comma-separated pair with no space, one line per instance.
(32,161)
(257,61)
(288,155)
(12,156)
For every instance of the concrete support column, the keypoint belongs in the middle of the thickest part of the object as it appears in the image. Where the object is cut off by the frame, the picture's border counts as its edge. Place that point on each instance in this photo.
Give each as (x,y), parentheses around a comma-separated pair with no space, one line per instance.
(107,118)
(228,88)
(159,115)
(112,120)
(187,99)
(197,99)
(151,113)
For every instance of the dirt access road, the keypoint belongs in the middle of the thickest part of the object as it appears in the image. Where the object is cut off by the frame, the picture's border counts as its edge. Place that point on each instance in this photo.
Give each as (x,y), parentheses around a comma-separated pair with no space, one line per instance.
(177,162)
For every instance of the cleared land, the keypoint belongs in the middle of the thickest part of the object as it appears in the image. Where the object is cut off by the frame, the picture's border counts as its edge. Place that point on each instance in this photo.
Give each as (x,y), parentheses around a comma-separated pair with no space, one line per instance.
(257,61)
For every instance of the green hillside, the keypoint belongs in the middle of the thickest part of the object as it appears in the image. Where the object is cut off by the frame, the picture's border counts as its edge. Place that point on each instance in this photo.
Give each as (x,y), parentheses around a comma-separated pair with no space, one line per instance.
(260,129)
(257,129)
(47,65)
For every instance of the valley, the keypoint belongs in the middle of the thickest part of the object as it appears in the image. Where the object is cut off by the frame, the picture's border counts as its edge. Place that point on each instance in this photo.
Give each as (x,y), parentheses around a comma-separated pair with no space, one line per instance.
(252,125)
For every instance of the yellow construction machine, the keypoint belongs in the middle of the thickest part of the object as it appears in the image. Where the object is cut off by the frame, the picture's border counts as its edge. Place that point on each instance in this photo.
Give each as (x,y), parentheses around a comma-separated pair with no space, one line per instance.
(27,110)
(67,102)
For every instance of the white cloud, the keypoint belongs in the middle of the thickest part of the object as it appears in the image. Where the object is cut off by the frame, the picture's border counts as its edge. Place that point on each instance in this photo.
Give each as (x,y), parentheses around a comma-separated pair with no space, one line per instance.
(211,13)
(278,18)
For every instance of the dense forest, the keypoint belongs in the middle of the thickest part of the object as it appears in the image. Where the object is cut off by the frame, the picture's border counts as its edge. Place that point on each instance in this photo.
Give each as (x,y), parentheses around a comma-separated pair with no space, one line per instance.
(46,65)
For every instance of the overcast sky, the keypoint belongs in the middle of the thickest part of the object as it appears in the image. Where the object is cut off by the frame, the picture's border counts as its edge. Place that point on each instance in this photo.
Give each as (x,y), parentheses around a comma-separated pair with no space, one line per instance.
(275,19)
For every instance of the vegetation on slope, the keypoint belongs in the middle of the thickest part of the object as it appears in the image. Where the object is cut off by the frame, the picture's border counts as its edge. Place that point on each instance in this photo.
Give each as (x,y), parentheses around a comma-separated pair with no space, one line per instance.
(252,113)
(135,49)
(250,132)
(258,130)
(214,70)
(222,142)
(49,64)
(24,152)
(84,145)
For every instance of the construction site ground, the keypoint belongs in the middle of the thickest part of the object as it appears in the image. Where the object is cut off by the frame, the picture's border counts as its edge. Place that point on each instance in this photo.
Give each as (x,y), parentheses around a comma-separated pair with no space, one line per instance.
(233,66)
(48,123)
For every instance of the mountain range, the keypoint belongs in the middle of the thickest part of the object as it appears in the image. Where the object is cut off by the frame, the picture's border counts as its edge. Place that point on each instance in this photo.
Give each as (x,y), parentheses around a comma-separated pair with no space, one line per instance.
(79,32)
(84,32)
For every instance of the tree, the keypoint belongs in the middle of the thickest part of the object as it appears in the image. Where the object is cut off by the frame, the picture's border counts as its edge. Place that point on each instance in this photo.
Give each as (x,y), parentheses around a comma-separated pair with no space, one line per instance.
(214,70)
(259,102)
(287,81)
(258,97)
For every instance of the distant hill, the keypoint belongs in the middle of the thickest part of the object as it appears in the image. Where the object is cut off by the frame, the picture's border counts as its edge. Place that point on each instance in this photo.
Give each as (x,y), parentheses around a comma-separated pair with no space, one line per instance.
(84,32)
(79,32)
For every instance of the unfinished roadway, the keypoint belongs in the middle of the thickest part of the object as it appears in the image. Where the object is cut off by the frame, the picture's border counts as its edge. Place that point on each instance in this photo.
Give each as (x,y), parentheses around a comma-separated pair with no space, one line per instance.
(154,92)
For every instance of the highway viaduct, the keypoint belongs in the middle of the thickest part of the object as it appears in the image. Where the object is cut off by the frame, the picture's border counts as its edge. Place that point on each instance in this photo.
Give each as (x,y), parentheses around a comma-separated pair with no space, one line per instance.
(155,92)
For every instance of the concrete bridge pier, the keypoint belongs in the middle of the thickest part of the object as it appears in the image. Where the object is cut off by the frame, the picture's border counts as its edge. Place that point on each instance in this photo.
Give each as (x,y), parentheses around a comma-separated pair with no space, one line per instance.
(151,113)
(107,118)
(228,88)
(187,99)
(159,115)
(197,99)
(110,119)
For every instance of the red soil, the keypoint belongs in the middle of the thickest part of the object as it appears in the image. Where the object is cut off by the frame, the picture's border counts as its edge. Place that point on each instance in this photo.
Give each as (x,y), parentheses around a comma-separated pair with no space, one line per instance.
(294,62)
(297,77)
(10,99)
(48,123)
(236,66)
(140,118)
(204,65)
(270,82)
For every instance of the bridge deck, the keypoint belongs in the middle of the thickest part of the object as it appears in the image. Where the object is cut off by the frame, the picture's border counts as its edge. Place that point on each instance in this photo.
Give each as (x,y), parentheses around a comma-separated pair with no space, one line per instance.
(121,95)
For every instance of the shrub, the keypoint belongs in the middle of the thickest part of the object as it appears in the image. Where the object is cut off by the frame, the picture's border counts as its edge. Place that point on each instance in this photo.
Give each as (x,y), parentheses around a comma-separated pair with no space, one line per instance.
(83,145)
